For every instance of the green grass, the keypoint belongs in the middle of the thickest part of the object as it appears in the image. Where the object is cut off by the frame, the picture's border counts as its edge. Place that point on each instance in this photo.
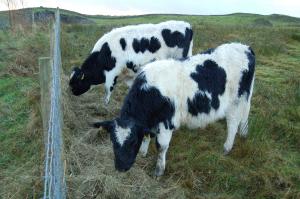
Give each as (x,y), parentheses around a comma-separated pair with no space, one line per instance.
(265,165)
(21,142)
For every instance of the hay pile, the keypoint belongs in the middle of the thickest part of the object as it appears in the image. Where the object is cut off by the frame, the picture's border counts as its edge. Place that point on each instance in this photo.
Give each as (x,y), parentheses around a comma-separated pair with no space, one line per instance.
(90,171)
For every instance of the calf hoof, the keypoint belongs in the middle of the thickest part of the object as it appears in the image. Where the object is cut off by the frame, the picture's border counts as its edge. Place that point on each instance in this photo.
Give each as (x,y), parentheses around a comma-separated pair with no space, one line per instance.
(158,172)
(226,151)
(227,148)
(106,101)
(143,150)
(244,136)
(143,153)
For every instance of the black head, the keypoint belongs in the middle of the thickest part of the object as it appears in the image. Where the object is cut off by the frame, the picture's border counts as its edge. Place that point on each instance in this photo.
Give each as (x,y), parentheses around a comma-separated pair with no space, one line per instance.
(92,71)
(126,138)
(79,82)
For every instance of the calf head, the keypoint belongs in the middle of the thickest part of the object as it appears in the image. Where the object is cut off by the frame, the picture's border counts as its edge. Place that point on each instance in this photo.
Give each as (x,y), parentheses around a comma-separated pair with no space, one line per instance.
(92,71)
(79,81)
(126,138)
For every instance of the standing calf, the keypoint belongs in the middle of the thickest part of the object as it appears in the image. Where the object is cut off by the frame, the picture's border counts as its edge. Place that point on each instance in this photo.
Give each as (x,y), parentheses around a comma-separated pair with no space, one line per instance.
(193,92)
(132,47)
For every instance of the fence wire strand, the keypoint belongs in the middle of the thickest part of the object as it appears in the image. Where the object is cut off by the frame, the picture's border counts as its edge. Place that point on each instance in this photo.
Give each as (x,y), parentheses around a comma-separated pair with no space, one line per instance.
(54,182)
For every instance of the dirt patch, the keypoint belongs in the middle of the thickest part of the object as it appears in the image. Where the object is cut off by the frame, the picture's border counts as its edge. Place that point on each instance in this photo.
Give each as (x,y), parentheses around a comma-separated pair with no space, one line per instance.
(18,70)
(90,167)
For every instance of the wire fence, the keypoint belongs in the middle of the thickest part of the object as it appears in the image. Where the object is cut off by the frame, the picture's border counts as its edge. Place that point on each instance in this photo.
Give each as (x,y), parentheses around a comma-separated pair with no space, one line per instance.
(54,179)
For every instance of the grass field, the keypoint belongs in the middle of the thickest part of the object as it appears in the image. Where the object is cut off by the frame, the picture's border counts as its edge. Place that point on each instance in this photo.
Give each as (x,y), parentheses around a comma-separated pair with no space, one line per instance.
(265,165)
(21,144)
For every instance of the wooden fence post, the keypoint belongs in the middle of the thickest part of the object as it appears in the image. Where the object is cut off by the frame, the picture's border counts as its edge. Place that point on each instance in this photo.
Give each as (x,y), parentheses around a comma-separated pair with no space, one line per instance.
(45,80)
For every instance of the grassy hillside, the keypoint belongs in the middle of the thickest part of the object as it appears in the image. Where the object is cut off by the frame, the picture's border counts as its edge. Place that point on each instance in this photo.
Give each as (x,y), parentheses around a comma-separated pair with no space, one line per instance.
(241,19)
(265,165)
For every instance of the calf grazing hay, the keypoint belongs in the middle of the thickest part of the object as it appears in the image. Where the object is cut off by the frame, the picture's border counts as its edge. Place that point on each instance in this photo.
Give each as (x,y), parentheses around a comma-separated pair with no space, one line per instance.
(90,170)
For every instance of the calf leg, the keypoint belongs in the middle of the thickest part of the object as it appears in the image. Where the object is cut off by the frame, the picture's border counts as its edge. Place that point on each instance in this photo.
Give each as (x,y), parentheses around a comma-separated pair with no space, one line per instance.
(111,80)
(108,91)
(145,145)
(243,128)
(162,142)
(233,120)
(190,49)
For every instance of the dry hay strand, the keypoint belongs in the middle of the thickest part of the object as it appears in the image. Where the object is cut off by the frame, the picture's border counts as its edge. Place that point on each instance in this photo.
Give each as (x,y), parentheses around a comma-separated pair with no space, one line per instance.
(18,70)
(90,165)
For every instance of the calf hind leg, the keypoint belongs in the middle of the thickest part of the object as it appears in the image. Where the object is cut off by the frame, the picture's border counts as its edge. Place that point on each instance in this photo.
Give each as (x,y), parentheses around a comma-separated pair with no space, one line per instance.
(243,131)
(243,127)
(233,121)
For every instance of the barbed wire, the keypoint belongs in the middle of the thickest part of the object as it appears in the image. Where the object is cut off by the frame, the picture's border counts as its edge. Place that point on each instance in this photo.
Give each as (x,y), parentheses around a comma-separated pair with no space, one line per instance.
(54,183)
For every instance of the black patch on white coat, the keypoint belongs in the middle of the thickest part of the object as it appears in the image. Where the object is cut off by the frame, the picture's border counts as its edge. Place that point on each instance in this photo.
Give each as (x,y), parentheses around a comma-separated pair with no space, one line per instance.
(247,75)
(212,79)
(131,66)
(99,61)
(152,45)
(115,82)
(92,70)
(123,43)
(176,38)
(146,106)
(199,104)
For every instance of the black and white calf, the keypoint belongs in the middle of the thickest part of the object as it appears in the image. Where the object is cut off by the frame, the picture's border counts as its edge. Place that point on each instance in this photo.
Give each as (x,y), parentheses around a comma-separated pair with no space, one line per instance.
(195,92)
(132,47)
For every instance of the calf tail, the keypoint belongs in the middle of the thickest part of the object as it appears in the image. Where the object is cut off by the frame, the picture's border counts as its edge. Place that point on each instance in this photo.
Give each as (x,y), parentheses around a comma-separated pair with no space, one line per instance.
(251,58)
(188,43)
(247,78)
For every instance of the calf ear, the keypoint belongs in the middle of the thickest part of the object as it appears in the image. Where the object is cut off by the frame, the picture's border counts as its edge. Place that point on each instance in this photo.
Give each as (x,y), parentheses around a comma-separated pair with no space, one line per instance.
(77,72)
(108,125)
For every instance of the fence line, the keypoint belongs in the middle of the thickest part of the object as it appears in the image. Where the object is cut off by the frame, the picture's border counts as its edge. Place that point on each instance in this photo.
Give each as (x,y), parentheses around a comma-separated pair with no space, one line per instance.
(54,183)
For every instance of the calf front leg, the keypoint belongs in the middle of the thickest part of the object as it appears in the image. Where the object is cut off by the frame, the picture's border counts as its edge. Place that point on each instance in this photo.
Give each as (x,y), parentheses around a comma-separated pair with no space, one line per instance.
(110,82)
(162,143)
(108,91)
(145,145)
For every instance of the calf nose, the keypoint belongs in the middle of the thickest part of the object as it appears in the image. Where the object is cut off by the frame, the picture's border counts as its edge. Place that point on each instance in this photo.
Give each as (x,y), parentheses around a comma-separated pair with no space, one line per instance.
(122,168)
